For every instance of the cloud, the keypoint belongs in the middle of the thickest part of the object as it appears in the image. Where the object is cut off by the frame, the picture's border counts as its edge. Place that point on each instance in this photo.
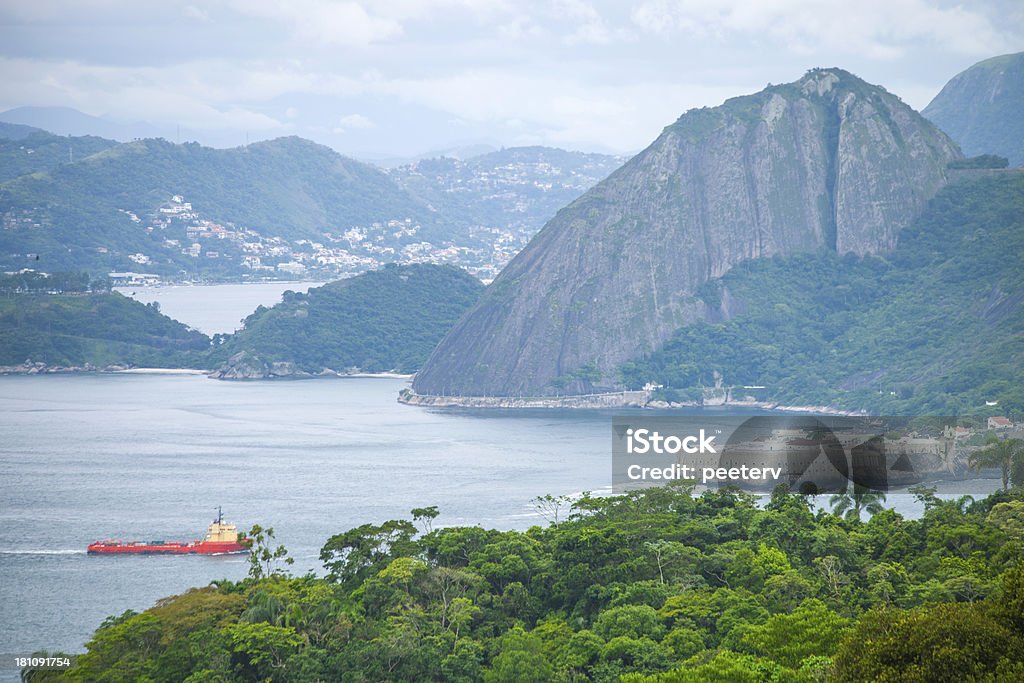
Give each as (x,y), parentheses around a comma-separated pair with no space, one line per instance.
(353,122)
(177,95)
(196,13)
(573,73)
(881,29)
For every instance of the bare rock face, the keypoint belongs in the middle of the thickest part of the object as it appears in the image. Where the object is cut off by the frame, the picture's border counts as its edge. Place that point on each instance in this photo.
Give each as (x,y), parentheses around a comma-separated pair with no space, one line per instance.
(828,162)
(982,108)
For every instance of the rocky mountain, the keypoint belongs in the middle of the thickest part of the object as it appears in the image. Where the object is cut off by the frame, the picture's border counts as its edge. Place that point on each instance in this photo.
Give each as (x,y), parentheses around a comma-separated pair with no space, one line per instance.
(828,162)
(982,108)
(934,327)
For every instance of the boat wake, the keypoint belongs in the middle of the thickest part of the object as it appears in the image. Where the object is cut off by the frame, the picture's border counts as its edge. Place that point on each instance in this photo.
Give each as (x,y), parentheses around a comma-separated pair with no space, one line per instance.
(42,552)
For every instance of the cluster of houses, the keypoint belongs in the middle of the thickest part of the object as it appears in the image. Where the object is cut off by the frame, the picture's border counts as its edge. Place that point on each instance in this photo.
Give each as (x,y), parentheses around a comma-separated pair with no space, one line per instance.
(358,249)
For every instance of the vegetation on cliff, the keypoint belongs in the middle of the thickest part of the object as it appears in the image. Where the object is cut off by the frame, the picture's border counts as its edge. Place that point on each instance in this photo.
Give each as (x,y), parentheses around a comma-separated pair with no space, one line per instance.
(656,586)
(934,327)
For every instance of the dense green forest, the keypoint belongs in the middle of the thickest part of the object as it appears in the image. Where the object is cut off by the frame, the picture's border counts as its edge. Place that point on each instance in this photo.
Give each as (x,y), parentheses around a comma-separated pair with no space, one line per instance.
(100,329)
(384,320)
(41,151)
(657,586)
(934,327)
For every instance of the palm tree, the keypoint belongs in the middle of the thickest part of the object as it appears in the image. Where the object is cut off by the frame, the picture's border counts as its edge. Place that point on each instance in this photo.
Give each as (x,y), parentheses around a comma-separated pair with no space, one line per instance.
(999,453)
(862,499)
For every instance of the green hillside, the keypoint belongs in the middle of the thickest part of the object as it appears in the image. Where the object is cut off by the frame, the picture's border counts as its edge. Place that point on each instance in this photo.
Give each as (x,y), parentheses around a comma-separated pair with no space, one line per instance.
(384,320)
(935,326)
(41,151)
(98,329)
(75,214)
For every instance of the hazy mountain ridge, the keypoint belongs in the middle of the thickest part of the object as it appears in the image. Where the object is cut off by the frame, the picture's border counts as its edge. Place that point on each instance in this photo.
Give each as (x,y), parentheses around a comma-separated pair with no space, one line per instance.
(982,108)
(827,162)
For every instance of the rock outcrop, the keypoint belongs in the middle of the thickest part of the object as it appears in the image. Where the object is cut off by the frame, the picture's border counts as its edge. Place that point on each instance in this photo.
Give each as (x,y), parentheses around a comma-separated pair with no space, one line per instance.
(827,162)
(982,108)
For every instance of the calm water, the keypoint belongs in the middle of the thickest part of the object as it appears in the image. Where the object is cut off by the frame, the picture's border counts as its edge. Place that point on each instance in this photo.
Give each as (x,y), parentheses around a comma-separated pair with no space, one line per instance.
(214,308)
(149,456)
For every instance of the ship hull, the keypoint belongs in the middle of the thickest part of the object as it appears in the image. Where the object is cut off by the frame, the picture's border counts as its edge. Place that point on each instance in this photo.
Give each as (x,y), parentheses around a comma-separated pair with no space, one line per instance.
(171,548)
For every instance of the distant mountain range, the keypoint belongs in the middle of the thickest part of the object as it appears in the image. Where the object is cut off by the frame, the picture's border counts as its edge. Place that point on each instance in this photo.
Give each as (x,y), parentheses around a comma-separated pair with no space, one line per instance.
(69,121)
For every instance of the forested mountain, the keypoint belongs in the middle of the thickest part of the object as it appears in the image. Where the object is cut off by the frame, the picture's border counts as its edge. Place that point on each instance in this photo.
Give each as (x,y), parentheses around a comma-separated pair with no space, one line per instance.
(386,320)
(381,321)
(94,330)
(98,212)
(982,108)
(40,152)
(826,163)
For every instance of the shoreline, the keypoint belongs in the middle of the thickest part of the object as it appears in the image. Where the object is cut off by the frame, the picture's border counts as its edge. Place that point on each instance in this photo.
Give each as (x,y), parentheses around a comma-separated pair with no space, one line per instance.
(619,399)
(88,368)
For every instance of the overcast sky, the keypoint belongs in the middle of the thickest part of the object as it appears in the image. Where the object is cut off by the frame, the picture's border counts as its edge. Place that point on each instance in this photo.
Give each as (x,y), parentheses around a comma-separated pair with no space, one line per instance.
(401,77)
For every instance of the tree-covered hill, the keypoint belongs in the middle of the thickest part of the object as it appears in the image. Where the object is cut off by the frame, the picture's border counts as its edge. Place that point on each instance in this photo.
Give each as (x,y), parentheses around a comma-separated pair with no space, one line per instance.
(380,321)
(937,326)
(40,151)
(76,214)
(656,586)
(97,329)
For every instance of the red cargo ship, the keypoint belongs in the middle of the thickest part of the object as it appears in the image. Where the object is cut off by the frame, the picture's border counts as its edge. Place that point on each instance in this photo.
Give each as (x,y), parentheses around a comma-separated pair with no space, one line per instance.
(221,539)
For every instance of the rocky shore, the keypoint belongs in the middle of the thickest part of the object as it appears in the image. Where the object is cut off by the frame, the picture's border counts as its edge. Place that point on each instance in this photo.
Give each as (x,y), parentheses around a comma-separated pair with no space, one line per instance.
(619,399)
(245,366)
(39,368)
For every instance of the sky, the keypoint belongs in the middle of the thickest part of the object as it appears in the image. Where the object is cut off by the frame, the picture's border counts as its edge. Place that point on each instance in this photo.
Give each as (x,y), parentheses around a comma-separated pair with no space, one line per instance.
(399,78)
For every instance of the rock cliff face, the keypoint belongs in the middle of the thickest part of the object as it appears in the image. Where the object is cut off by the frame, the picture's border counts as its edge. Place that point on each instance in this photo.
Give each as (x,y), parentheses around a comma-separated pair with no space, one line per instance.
(826,162)
(982,108)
